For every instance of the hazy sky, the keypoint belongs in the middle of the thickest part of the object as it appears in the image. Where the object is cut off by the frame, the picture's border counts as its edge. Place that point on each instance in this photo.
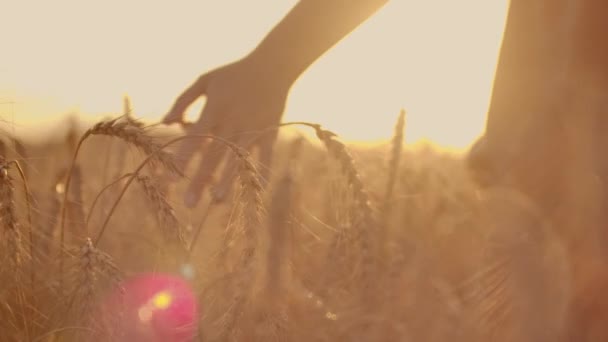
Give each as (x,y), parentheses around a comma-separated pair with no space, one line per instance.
(435,58)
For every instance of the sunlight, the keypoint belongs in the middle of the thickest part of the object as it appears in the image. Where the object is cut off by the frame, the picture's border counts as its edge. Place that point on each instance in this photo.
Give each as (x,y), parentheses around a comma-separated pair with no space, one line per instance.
(160,301)
(434,58)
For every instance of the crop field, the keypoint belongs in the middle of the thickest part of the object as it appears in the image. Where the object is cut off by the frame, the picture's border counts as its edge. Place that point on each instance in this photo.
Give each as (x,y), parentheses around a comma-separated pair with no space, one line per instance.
(332,242)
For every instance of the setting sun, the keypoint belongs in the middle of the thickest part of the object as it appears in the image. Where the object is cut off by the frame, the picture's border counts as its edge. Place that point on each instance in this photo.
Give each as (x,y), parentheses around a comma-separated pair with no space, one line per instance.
(434,58)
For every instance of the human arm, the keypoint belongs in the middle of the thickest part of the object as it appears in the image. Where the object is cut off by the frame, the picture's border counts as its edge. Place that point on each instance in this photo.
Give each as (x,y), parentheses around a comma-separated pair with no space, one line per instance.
(250,94)
(310,29)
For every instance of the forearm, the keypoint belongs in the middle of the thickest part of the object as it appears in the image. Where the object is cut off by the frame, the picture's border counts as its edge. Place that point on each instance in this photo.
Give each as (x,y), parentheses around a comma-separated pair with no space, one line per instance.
(310,29)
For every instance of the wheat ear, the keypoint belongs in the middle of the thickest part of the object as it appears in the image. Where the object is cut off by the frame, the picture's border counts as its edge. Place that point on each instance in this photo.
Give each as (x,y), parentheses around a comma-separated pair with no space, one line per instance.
(152,156)
(131,133)
(165,214)
(365,220)
(395,159)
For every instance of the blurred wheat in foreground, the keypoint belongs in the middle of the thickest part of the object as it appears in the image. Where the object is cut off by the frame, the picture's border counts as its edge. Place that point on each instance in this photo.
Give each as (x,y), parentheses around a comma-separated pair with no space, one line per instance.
(337,243)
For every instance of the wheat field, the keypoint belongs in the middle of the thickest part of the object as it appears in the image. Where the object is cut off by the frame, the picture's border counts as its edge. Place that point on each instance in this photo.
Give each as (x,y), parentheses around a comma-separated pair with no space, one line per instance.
(335,242)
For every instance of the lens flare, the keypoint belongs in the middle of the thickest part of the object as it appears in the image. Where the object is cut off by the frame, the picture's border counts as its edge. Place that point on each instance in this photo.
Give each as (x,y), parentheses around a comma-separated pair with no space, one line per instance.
(187,271)
(154,307)
(162,300)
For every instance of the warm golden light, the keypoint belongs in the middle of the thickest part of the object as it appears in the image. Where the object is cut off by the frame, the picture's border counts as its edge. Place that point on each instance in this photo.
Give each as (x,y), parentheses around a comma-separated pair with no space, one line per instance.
(162,300)
(434,58)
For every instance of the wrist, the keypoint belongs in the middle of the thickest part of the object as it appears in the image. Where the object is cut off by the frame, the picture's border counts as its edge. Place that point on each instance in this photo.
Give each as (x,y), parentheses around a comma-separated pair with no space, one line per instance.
(272,68)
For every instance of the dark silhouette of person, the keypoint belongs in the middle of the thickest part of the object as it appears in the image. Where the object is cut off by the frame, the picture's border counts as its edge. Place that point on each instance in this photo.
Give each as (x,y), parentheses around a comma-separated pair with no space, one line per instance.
(553,56)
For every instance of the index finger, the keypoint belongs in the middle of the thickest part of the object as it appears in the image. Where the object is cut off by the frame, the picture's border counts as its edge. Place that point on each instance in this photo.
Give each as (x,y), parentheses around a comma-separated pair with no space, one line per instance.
(183,101)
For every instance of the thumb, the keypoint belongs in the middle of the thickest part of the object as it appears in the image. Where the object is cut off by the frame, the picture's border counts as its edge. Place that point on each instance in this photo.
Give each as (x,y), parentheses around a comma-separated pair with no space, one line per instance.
(183,101)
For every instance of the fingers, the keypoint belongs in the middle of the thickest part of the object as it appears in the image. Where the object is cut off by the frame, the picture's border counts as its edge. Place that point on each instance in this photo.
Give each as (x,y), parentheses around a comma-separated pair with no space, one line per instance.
(215,151)
(226,182)
(265,152)
(189,147)
(196,90)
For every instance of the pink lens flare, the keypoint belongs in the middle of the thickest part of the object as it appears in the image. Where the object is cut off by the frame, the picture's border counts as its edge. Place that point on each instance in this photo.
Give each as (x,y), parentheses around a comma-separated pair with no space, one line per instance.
(155,307)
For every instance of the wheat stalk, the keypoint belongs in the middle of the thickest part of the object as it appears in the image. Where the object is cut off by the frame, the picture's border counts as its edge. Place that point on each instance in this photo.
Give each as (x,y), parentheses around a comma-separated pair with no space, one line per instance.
(339,151)
(251,211)
(152,156)
(364,219)
(199,228)
(270,314)
(21,152)
(14,244)
(127,131)
(75,207)
(8,215)
(132,132)
(170,226)
(91,264)
(98,197)
(279,215)
(121,158)
(393,165)
(393,170)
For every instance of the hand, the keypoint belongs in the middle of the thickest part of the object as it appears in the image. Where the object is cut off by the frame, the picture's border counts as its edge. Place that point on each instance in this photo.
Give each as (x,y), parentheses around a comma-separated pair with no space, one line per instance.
(242,101)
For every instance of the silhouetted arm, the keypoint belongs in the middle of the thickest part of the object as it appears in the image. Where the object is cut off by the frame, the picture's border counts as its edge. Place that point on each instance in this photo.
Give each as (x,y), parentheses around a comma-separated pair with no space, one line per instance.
(249,95)
(310,29)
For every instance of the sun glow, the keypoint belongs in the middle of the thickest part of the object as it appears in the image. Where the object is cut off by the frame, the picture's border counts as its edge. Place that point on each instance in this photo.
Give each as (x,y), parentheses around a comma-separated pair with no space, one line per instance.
(435,58)
(160,301)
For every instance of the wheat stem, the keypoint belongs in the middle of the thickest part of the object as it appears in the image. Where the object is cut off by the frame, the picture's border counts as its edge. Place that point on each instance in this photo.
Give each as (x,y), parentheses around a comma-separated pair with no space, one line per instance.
(396,148)
(64,206)
(199,228)
(98,197)
(29,217)
(237,150)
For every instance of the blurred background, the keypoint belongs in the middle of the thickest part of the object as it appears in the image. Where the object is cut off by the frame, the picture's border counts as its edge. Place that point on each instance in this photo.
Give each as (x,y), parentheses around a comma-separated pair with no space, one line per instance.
(435,58)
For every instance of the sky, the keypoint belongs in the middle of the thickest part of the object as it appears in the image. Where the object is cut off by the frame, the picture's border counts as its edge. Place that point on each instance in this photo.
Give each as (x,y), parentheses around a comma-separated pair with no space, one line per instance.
(434,58)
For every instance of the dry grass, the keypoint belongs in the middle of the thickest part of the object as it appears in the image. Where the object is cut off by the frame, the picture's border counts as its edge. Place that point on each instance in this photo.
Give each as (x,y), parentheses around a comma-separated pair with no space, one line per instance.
(340,245)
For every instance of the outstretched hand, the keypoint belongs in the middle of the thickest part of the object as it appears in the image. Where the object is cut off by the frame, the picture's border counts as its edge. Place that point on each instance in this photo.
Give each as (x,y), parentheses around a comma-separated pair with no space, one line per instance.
(242,101)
